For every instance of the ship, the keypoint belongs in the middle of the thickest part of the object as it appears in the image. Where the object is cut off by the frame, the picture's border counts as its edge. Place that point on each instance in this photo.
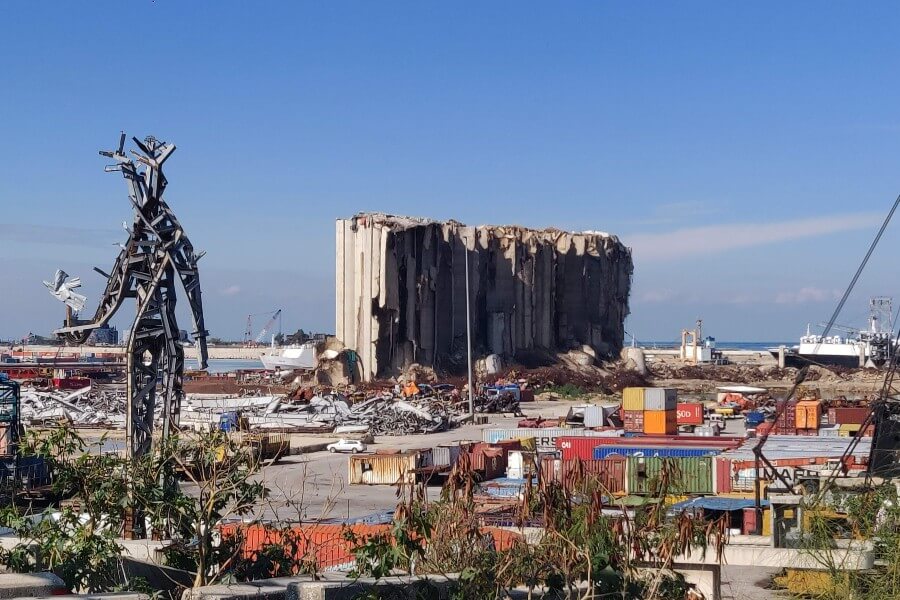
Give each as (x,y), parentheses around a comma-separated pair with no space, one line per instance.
(290,358)
(870,347)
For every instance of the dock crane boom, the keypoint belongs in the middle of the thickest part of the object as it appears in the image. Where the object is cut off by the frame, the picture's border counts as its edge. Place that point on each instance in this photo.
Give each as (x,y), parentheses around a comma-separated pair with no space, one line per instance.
(268,326)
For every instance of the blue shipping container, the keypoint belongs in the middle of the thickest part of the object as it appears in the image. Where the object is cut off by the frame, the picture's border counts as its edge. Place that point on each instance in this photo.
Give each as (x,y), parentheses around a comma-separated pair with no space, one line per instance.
(601,452)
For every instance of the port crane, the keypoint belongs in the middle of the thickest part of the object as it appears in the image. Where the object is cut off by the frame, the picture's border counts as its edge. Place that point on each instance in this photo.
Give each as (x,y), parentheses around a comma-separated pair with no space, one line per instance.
(249,340)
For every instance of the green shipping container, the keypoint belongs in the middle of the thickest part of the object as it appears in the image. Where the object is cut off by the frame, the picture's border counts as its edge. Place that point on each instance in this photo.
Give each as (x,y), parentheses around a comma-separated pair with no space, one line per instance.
(687,475)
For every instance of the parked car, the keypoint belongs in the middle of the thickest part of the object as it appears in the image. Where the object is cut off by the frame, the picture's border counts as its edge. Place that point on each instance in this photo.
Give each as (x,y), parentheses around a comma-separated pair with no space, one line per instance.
(342,445)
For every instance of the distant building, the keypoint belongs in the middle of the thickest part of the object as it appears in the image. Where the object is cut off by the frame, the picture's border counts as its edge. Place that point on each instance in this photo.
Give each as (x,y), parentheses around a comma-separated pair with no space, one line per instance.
(105,335)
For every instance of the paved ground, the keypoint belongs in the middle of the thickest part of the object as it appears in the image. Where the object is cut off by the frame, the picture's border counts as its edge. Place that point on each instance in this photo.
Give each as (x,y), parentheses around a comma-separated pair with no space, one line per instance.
(317,482)
(749,583)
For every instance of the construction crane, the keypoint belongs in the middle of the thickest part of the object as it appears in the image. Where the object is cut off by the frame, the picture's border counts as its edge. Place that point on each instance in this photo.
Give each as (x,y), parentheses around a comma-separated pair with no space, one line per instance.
(249,340)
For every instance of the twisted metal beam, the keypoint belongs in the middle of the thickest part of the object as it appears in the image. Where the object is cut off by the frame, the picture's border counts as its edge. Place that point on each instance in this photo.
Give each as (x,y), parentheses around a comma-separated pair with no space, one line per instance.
(157,255)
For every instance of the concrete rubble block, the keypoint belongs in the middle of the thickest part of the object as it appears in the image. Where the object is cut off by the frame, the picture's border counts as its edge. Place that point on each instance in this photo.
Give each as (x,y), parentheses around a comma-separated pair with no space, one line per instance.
(401,296)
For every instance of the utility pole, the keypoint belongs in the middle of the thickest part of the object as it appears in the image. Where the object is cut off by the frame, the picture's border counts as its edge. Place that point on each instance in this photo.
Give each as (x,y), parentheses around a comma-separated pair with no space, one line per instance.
(469,338)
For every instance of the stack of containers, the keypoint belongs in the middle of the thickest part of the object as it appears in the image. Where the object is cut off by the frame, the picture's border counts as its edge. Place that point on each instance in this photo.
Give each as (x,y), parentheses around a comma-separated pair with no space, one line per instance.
(849,421)
(633,409)
(660,411)
(786,424)
(808,415)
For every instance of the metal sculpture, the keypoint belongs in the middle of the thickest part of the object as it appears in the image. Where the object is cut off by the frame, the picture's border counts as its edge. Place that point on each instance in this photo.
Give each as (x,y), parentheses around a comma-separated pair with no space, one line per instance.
(157,254)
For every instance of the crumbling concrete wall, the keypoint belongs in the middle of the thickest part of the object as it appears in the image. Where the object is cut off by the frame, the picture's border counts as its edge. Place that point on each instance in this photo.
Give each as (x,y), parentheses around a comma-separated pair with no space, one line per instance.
(400,291)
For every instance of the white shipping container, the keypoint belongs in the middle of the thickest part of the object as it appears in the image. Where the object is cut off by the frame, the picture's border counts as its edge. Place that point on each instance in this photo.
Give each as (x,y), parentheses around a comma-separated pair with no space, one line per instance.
(544,437)
(660,398)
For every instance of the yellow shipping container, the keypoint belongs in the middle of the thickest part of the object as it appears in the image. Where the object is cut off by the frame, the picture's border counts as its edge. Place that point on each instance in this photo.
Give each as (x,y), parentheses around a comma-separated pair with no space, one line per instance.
(633,398)
(849,429)
(528,443)
(660,422)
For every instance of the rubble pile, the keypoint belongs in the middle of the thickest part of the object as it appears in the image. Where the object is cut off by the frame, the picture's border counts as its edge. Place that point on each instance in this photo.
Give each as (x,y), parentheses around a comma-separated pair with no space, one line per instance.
(98,406)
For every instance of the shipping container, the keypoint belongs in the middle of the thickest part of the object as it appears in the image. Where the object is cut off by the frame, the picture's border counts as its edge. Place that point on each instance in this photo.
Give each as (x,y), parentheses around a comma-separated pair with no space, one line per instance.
(489,461)
(722,473)
(583,447)
(660,398)
(446,455)
(660,422)
(847,415)
(829,431)
(609,472)
(387,469)
(808,414)
(544,437)
(633,420)
(689,413)
(693,475)
(633,399)
(672,440)
(601,452)
(787,414)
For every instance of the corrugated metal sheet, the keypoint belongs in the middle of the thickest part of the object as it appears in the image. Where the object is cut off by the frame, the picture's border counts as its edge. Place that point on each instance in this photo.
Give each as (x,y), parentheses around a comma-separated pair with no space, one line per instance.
(326,545)
(790,446)
(633,399)
(660,398)
(689,413)
(610,472)
(714,503)
(692,475)
(386,469)
(661,451)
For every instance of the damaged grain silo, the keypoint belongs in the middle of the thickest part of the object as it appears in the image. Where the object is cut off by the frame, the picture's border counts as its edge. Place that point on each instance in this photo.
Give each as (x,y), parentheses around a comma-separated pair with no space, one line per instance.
(400,291)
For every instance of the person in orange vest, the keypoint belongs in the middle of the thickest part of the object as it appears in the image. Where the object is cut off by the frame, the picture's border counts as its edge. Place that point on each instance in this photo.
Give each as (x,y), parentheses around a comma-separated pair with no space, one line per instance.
(410,389)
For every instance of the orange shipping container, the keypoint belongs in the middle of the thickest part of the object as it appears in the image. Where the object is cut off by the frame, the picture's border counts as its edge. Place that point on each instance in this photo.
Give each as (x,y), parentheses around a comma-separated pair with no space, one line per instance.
(809,414)
(660,422)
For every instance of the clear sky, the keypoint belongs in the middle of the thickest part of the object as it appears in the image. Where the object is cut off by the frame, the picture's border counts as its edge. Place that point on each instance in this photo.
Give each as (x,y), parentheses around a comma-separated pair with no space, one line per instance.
(747,152)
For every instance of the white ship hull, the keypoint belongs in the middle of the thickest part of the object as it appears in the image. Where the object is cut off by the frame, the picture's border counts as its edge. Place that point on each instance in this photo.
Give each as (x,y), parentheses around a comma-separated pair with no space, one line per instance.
(291,358)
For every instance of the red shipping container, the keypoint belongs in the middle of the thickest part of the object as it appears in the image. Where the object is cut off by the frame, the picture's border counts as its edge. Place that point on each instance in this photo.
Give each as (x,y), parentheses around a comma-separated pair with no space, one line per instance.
(689,413)
(574,447)
(611,472)
(723,475)
(847,416)
(634,420)
(787,413)
(750,518)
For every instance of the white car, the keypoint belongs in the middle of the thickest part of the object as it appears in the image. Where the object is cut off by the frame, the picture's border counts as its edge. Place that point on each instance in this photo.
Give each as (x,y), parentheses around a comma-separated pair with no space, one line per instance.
(342,445)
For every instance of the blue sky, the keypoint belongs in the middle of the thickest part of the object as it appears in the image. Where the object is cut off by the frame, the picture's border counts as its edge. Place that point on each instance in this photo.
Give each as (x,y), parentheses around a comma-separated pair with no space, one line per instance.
(746,152)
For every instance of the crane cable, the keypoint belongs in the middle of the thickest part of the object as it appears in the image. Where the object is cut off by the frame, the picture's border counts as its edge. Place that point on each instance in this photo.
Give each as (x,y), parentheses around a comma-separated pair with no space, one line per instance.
(837,311)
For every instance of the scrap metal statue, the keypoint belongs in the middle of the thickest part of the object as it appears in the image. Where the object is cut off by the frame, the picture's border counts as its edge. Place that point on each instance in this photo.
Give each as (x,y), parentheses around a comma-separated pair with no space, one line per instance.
(156,256)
